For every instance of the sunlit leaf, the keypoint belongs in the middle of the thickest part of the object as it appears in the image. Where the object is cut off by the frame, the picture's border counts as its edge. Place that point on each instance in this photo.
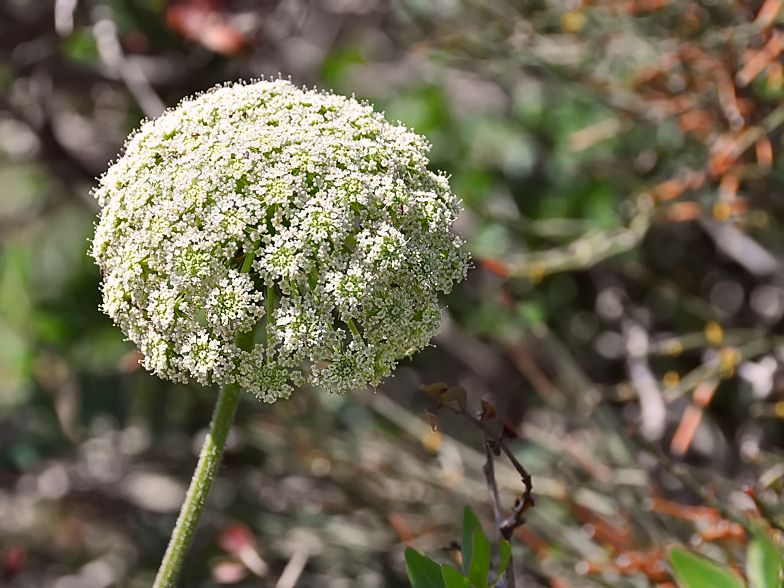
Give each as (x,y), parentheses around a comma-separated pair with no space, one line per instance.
(696,571)
(763,562)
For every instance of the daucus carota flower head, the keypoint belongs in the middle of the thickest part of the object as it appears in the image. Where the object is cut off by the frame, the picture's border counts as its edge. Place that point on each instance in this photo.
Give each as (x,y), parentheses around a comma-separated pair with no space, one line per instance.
(303,213)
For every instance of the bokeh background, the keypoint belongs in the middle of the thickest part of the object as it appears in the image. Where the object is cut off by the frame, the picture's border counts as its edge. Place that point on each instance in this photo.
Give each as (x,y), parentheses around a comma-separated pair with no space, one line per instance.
(621,167)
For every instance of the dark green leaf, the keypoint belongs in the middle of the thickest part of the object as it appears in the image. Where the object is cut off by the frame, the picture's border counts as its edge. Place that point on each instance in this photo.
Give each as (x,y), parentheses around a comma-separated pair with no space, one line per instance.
(453,578)
(423,571)
(480,560)
(470,523)
(763,562)
(695,571)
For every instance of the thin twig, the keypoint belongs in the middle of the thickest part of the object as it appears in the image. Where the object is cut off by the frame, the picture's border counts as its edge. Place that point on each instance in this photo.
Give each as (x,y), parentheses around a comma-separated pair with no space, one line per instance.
(713,367)
(293,569)
(129,71)
(498,443)
(687,479)
(489,470)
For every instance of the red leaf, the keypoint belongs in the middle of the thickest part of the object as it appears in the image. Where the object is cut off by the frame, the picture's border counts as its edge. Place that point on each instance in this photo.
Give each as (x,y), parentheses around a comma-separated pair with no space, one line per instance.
(509,431)
(13,562)
(497,267)
(235,538)
(206,23)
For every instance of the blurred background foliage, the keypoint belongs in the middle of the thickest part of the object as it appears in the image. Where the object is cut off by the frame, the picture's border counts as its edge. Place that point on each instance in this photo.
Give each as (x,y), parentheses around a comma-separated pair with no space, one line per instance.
(620,162)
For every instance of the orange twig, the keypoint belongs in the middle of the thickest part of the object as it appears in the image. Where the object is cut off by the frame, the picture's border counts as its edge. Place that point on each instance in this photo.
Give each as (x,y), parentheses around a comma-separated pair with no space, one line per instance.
(760,61)
(687,513)
(692,417)
(764,152)
(768,12)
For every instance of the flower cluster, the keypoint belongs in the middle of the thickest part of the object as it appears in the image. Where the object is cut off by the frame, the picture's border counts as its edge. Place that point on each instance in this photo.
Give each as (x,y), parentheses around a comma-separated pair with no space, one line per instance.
(305,215)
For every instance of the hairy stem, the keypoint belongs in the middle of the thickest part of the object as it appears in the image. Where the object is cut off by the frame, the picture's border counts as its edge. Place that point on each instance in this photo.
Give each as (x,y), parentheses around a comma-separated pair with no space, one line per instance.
(206,468)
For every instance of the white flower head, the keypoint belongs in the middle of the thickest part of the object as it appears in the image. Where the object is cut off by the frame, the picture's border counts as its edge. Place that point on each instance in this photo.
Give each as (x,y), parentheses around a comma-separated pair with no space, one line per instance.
(304,214)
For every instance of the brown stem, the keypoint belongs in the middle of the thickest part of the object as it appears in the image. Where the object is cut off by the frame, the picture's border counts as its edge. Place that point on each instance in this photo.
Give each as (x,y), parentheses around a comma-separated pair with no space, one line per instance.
(527,499)
(489,470)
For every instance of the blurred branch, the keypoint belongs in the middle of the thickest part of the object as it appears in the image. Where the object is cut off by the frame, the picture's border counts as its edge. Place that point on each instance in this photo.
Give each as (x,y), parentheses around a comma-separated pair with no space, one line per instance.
(555,228)
(680,343)
(509,576)
(110,50)
(722,363)
(63,16)
(688,478)
(548,391)
(294,568)
(652,410)
(737,245)
(584,394)
(584,252)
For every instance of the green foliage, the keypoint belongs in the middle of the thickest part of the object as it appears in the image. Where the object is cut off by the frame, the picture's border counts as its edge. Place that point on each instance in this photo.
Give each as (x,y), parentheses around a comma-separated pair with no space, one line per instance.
(476,569)
(453,578)
(80,46)
(557,137)
(480,560)
(470,524)
(696,571)
(423,571)
(764,562)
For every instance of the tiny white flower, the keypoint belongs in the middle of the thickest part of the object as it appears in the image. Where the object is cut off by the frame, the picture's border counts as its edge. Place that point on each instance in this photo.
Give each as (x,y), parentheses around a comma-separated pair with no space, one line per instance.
(304,214)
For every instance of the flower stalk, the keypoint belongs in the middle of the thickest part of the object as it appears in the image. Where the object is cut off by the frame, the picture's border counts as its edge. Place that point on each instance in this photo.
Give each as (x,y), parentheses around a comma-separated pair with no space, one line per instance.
(347,242)
(206,468)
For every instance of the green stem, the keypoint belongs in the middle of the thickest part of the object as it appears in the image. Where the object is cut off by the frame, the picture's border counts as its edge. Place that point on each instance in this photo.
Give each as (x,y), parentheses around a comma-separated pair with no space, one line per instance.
(249,256)
(270,310)
(209,460)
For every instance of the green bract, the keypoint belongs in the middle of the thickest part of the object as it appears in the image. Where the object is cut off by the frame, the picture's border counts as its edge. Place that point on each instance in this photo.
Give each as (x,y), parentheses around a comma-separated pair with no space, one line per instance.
(264,197)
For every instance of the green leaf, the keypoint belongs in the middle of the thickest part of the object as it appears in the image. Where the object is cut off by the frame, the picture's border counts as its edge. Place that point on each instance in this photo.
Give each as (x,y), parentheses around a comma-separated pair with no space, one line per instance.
(480,561)
(423,571)
(763,562)
(453,578)
(695,571)
(506,552)
(470,523)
